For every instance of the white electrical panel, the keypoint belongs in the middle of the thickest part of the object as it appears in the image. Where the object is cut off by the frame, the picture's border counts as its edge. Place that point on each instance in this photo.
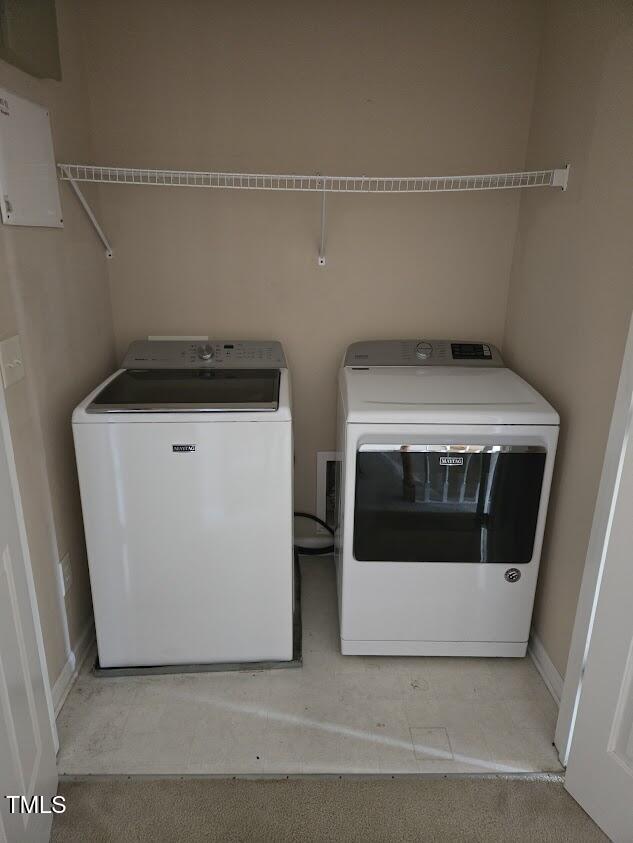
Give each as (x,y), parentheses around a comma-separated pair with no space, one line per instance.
(29,190)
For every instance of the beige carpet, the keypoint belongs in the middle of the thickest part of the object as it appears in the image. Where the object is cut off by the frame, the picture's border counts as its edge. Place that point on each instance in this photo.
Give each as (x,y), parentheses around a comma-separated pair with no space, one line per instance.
(400,809)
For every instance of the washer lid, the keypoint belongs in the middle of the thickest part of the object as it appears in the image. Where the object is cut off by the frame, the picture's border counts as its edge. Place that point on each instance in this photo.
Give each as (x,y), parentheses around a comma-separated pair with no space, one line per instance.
(442,395)
(183,390)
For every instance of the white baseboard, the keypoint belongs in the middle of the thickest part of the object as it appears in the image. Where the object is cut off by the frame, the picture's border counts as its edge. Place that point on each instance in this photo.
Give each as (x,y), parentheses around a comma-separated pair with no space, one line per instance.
(545,667)
(63,684)
(70,671)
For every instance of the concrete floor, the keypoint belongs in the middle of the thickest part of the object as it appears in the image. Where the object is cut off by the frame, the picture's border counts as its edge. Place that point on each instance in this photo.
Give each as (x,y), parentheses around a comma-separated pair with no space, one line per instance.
(337,714)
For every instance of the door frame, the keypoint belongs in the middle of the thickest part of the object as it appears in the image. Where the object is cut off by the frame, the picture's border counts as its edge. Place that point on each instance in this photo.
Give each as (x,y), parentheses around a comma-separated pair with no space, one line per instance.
(620,432)
(5,431)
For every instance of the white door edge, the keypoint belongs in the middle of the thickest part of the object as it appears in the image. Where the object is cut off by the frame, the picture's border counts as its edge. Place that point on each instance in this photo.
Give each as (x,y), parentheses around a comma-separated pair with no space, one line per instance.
(13,476)
(619,433)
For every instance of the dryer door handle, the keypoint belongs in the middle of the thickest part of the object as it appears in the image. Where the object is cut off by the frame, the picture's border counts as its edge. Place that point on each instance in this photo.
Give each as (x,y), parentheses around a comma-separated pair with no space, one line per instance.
(456,449)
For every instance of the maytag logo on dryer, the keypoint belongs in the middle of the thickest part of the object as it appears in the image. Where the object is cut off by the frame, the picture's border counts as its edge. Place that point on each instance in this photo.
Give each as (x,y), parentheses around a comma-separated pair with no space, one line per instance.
(183,449)
(451,461)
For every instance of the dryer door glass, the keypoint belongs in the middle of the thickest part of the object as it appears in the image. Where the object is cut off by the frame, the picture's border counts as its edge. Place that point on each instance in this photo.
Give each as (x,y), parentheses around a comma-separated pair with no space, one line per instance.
(447,503)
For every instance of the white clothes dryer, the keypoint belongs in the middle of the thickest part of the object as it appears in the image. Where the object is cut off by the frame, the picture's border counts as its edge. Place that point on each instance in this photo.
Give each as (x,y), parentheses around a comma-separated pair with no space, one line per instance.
(447,459)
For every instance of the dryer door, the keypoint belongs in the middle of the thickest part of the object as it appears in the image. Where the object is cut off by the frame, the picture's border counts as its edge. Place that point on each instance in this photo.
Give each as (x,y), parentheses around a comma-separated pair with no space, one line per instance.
(447,503)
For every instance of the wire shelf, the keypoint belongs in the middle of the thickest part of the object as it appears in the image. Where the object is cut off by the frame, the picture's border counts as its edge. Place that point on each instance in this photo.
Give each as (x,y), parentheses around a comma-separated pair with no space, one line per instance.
(314,183)
(75,173)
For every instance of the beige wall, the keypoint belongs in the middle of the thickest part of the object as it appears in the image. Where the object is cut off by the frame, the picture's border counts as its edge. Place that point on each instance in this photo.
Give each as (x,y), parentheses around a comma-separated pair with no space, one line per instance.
(54,293)
(571,291)
(344,88)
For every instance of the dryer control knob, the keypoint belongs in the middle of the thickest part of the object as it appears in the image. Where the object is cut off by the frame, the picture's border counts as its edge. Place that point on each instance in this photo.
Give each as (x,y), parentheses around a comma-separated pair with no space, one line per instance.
(423,350)
(205,352)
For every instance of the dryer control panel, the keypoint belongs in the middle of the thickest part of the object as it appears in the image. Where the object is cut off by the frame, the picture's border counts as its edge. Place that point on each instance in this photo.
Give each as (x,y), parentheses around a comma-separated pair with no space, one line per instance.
(422,353)
(204,354)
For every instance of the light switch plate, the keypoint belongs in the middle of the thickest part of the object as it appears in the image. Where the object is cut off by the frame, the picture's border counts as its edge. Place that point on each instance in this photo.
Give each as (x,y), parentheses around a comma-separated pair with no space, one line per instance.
(11,362)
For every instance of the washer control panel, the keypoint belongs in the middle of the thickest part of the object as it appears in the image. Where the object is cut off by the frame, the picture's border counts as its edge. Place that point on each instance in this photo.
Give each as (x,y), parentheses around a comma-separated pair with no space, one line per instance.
(422,352)
(204,354)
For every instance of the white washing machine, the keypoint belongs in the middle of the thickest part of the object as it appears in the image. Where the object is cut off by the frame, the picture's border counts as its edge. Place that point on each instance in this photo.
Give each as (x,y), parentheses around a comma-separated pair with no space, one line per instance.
(185,469)
(447,461)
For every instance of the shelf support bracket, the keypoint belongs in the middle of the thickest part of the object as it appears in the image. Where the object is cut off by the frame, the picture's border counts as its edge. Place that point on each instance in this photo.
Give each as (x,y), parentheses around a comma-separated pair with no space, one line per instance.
(561,177)
(89,213)
(321,258)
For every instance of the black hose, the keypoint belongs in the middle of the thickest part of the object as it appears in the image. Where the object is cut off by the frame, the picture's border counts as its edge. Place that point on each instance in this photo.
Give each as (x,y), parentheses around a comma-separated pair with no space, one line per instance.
(314,551)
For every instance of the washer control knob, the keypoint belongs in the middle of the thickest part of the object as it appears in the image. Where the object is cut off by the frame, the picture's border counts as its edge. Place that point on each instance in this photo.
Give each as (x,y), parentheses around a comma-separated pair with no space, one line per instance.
(205,352)
(423,350)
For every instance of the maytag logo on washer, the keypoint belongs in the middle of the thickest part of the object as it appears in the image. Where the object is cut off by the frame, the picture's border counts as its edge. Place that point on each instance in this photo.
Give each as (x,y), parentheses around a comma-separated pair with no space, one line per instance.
(183,449)
(451,461)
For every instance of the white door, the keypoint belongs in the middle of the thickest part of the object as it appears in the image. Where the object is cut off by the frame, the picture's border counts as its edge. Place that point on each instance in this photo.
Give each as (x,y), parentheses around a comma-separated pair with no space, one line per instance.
(600,767)
(27,753)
